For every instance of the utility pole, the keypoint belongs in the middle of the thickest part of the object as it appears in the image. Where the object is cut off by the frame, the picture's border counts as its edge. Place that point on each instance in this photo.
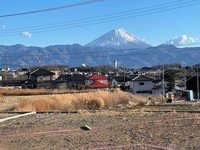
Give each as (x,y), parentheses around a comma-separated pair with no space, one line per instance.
(197,83)
(163,88)
(6,66)
(124,76)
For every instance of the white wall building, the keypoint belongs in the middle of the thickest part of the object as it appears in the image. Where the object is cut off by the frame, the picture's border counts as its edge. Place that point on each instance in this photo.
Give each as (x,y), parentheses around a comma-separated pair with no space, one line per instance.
(142,85)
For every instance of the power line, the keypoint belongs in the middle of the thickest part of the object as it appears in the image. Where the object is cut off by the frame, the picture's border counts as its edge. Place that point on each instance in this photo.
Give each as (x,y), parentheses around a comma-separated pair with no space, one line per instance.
(90,22)
(86,19)
(103,19)
(51,9)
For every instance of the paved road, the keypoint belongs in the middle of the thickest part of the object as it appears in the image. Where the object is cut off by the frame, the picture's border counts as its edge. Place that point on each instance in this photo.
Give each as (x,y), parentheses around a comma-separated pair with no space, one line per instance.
(183,102)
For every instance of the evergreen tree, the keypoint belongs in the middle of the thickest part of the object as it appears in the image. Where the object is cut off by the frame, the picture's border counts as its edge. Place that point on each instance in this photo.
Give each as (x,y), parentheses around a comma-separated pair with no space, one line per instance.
(170,77)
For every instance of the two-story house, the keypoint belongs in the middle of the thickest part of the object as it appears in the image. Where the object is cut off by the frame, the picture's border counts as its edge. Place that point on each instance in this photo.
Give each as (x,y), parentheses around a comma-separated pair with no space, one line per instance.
(39,78)
(142,85)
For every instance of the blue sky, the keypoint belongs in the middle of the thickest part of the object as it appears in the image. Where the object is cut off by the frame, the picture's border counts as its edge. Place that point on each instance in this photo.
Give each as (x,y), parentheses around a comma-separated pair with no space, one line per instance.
(154,28)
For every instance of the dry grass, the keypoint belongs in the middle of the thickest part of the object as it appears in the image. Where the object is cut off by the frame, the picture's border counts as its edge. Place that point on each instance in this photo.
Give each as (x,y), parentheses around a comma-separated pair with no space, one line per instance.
(21,92)
(38,104)
(2,100)
(155,100)
(80,101)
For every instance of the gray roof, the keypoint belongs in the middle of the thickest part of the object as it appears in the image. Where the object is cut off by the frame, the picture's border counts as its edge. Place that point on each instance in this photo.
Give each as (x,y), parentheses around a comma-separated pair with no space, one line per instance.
(72,78)
(40,72)
(142,78)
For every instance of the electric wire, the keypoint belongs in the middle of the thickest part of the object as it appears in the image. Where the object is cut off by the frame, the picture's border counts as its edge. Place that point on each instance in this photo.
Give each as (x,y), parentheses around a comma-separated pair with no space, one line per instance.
(86,19)
(86,23)
(50,9)
(103,19)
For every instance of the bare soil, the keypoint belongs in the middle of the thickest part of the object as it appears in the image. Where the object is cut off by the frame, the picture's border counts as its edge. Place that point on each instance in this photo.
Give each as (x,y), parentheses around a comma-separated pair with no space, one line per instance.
(117,129)
(109,130)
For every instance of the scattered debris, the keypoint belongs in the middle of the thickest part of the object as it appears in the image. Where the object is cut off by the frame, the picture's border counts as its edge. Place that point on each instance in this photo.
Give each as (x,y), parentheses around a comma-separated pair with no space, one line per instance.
(14,117)
(85,127)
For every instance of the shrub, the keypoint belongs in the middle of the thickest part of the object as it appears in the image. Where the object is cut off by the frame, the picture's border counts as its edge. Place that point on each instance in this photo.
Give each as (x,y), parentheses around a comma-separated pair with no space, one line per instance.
(95,104)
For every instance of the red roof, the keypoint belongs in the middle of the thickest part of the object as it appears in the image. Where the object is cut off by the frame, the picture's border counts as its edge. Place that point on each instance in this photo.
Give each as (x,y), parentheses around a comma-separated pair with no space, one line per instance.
(98,77)
(98,85)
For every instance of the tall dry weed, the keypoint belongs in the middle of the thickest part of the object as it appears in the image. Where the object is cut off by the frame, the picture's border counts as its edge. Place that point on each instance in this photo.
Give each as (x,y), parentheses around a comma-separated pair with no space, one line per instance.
(80,101)
(2,100)
(39,104)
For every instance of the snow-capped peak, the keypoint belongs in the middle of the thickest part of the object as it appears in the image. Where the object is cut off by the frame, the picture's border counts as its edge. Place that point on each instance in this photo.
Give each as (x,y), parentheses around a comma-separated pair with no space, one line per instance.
(118,38)
(127,37)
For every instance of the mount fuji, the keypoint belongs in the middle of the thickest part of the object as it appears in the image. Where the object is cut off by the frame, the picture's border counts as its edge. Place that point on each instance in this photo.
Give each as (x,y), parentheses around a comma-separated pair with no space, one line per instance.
(119,39)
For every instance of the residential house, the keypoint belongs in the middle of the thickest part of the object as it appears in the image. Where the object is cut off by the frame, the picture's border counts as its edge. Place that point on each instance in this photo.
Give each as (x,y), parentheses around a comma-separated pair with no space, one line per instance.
(40,75)
(180,86)
(158,87)
(97,82)
(121,81)
(179,91)
(141,85)
(39,78)
(72,81)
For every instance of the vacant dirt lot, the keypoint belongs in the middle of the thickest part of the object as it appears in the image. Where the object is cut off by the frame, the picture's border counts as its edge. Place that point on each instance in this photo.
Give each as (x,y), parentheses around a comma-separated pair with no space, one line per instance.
(122,129)
(109,130)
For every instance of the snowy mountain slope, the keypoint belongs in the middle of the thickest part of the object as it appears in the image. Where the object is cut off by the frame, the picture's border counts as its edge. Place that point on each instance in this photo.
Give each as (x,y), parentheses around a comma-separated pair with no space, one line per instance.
(118,39)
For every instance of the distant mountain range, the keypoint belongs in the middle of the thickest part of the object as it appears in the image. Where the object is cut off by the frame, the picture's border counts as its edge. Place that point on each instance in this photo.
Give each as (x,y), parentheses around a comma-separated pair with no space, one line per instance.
(115,45)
